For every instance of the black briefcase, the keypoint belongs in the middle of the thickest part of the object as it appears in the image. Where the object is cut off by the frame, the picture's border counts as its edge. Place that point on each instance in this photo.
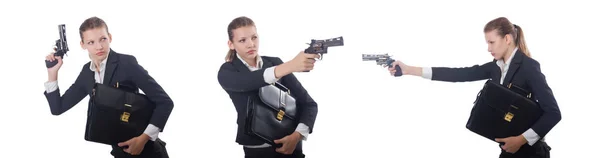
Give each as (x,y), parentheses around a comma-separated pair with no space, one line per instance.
(117,114)
(503,111)
(271,115)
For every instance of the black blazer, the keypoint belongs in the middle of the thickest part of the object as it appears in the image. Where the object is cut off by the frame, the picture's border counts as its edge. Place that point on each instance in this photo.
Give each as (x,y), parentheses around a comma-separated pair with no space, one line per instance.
(524,71)
(120,68)
(240,83)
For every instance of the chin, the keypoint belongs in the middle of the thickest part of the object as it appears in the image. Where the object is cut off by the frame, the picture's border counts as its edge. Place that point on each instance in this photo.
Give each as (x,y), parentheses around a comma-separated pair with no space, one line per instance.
(251,56)
(100,58)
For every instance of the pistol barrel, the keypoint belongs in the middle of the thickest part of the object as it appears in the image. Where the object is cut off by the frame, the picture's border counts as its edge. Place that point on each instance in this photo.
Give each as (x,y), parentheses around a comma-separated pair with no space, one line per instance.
(62,42)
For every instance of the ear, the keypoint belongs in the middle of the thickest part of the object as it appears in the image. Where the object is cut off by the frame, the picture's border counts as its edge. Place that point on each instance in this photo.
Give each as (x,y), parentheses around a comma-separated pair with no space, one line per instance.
(109,37)
(230,45)
(508,39)
(81,43)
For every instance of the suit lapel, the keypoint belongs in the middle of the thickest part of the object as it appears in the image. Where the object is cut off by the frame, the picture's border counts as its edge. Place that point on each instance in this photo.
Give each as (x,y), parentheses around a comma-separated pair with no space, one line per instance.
(111,65)
(514,66)
(91,78)
(266,62)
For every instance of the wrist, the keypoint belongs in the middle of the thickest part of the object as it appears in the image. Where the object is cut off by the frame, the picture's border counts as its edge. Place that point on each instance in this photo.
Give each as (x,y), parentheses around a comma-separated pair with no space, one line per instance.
(52,77)
(145,137)
(282,70)
(298,135)
(523,139)
(409,70)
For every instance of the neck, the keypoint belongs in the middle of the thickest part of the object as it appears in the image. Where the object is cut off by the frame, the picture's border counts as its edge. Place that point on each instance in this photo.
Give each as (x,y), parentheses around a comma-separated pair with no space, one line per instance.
(509,52)
(251,62)
(97,63)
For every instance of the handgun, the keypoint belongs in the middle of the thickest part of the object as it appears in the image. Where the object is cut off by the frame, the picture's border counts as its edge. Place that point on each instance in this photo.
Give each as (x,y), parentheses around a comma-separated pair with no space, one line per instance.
(320,46)
(61,46)
(383,60)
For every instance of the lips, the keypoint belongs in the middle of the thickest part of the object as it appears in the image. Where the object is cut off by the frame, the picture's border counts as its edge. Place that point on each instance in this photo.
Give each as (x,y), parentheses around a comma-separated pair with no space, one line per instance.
(99,53)
(251,52)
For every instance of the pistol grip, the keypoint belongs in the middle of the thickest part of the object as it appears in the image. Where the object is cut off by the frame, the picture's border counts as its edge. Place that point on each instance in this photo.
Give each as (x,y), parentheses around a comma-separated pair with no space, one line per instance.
(397,67)
(50,64)
(398,71)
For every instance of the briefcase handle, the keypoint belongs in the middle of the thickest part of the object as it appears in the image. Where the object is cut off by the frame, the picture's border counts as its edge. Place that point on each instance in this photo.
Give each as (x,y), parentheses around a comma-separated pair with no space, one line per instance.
(282,87)
(523,91)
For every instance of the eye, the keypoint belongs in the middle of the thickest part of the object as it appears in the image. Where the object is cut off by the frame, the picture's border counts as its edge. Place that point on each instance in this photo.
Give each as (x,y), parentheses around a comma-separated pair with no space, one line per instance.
(103,39)
(242,40)
(90,42)
(254,37)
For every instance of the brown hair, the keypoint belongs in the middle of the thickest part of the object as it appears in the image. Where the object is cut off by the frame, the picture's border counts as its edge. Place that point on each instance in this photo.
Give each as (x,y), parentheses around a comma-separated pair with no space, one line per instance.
(238,22)
(504,27)
(91,23)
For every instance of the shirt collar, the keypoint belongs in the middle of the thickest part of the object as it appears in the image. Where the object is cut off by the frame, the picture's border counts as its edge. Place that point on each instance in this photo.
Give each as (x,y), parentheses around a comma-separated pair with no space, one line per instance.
(501,62)
(259,62)
(102,64)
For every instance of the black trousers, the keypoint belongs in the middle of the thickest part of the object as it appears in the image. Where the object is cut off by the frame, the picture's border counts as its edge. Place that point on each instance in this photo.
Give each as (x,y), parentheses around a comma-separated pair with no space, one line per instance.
(269,152)
(152,149)
(538,150)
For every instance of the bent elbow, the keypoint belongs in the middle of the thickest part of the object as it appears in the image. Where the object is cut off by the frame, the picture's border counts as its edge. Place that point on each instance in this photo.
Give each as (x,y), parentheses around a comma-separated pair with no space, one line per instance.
(558,116)
(56,112)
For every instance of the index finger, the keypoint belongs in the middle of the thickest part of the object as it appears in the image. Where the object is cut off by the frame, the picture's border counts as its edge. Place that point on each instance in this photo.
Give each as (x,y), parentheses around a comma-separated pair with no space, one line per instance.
(311,55)
(499,139)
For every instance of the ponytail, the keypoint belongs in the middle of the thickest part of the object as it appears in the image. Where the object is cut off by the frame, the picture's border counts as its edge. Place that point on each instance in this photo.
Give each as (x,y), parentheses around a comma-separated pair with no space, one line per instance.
(520,40)
(230,55)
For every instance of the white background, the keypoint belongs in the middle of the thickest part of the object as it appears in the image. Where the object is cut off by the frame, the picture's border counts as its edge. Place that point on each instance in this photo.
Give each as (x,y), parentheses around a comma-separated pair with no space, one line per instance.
(363,112)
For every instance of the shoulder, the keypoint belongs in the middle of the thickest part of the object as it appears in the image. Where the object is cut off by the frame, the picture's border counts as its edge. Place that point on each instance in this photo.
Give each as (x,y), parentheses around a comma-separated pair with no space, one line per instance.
(86,66)
(530,61)
(228,65)
(531,64)
(126,58)
(532,69)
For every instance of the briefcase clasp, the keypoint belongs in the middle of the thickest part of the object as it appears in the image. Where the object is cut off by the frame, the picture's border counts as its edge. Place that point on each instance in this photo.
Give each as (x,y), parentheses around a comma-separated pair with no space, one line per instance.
(125,117)
(508,117)
(280,114)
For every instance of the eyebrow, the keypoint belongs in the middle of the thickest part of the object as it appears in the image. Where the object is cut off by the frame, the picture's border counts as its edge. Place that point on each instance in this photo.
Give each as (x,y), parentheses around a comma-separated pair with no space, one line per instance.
(98,38)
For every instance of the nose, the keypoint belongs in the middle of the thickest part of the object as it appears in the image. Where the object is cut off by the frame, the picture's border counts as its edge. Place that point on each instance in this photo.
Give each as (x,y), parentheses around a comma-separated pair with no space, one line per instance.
(250,44)
(98,46)
(489,48)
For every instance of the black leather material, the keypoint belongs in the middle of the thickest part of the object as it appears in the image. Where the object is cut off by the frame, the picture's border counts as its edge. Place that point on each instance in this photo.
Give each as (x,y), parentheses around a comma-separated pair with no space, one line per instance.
(494,107)
(262,118)
(107,121)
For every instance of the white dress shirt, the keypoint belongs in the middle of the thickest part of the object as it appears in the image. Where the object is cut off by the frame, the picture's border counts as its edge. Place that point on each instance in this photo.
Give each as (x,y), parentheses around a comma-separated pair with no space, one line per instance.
(150,130)
(530,135)
(270,78)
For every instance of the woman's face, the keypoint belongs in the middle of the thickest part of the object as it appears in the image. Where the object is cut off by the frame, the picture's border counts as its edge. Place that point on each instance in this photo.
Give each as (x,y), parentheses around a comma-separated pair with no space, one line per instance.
(245,42)
(497,45)
(97,42)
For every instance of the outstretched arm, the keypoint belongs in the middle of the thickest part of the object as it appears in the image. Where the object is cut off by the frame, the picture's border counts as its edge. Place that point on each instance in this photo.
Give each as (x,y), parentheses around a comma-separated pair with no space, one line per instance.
(448,74)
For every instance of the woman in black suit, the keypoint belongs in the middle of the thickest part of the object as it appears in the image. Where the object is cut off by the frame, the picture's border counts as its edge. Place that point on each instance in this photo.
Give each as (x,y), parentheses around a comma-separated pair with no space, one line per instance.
(512,64)
(244,72)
